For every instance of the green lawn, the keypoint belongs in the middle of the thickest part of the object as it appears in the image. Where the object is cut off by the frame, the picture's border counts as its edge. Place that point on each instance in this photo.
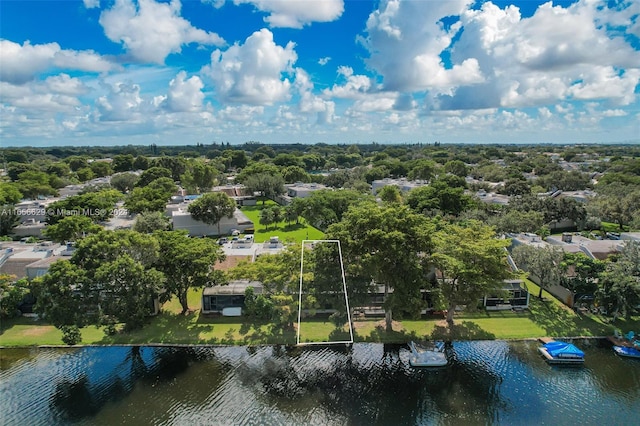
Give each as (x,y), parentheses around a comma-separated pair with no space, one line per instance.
(286,232)
(322,330)
(544,318)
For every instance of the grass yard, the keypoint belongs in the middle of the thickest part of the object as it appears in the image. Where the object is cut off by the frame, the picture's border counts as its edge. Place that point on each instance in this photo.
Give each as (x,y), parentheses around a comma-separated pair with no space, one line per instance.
(547,317)
(286,232)
(322,330)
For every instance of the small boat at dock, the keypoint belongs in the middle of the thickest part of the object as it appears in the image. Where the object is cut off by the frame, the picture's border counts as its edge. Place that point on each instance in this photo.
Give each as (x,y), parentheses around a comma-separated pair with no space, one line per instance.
(627,351)
(557,352)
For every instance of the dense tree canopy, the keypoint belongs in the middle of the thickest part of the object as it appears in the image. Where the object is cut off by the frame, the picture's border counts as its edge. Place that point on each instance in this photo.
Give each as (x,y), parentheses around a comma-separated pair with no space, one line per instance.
(619,286)
(124,182)
(97,205)
(187,263)
(544,264)
(470,262)
(212,207)
(152,174)
(391,244)
(267,184)
(9,194)
(150,221)
(71,228)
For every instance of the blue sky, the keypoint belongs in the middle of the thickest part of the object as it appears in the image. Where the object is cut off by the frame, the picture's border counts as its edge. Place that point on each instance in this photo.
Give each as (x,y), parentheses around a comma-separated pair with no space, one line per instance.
(116,72)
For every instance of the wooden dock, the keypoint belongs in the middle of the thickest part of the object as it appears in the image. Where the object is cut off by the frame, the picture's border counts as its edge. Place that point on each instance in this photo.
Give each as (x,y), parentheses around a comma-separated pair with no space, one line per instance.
(545,340)
(621,342)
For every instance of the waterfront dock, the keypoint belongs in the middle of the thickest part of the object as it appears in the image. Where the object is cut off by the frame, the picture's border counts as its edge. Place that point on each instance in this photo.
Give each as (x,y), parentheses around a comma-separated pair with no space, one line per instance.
(616,341)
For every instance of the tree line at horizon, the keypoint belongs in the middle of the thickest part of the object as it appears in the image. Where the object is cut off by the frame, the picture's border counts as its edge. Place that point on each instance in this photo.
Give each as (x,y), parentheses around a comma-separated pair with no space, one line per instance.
(444,202)
(147,182)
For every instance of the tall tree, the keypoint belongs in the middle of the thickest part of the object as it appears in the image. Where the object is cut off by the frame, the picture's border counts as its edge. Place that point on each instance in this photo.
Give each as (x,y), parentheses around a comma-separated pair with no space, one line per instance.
(124,182)
(151,198)
(9,219)
(149,222)
(470,262)
(582,273)
(545,264)
(391,245)
(279,274)
(71,228)
(152,174)
(266,217)
(122,163)
(278,215)
(212,207)
(187,263)
(9,194)
(268,185)
(60,299)
(456,167)
(390,194)
(292,174)
(100,168)
(323,281)
(619,284)
(106,246)
(127,291)
(96,205)
(325,207)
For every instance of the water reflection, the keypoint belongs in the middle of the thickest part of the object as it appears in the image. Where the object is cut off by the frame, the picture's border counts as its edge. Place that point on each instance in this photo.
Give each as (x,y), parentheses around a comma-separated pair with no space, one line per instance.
(486,383)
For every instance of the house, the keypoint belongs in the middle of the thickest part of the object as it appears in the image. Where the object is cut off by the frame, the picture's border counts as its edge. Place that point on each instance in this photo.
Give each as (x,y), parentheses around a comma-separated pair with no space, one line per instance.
(228,300)
(569,243)
(182,219)
(403,185)
(595,249)
(238,193)
(518,297)
(298,190)
(579,196)
(18,257)
(29,228)
(40,267)
(492,197)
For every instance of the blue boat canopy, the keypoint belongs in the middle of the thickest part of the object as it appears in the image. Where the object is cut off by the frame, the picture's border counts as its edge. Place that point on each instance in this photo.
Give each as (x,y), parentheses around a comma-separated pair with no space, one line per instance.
(563,350)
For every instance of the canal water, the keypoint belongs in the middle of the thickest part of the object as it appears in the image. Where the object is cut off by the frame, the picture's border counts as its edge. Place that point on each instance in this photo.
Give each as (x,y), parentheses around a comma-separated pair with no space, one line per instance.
(487,382)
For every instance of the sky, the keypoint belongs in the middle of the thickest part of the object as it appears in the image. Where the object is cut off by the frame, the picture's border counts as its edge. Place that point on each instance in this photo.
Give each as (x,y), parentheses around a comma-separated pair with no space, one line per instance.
(120,72)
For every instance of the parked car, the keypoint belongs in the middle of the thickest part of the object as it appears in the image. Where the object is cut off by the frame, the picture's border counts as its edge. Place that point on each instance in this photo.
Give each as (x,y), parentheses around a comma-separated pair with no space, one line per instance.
(223,240)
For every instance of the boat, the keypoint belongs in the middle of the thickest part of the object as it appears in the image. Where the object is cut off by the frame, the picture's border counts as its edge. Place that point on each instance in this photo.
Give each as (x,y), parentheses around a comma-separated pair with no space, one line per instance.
(627,351)
(423,357)
(557,352)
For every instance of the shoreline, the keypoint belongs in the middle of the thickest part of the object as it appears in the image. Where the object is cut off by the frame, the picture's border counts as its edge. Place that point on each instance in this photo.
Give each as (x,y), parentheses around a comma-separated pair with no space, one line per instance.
(318,344)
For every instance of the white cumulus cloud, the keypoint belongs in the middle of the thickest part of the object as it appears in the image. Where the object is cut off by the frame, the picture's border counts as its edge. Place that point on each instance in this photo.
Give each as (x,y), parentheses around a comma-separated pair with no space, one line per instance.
(405,40)
(296,13)
(91,4)
(253,72)
(557,54)
(310,103)
(151,31)
(122,103)
(185,95)
(21,63)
